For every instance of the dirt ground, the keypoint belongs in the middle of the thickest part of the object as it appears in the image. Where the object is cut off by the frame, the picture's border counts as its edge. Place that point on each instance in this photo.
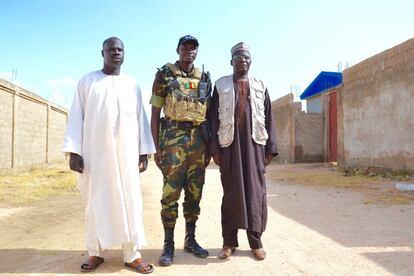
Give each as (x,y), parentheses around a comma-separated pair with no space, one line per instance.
(312,230)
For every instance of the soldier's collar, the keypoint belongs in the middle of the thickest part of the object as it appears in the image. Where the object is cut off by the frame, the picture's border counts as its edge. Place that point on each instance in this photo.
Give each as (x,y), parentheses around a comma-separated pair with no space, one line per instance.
(185,73)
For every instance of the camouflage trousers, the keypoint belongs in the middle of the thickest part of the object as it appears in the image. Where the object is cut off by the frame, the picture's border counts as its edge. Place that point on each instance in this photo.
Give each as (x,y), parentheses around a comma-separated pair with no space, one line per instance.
(183,167)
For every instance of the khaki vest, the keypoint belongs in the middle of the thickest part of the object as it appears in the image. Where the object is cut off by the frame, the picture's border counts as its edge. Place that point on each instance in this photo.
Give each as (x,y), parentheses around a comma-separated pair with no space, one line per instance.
(179,104)
(225,90)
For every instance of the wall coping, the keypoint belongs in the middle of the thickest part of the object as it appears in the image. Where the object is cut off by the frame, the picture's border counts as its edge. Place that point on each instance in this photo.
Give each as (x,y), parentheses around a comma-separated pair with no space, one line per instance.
(21,92)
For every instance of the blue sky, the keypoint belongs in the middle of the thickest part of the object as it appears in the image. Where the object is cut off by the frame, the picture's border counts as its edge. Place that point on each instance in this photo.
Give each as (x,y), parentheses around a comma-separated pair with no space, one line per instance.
(52,43)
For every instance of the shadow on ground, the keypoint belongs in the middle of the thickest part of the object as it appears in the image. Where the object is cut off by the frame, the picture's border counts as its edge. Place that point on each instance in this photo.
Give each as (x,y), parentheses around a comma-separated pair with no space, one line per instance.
(24,260)
(381,234)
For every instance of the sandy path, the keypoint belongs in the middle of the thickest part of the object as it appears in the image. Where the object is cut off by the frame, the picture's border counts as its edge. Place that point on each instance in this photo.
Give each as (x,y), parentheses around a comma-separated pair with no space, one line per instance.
(311,231)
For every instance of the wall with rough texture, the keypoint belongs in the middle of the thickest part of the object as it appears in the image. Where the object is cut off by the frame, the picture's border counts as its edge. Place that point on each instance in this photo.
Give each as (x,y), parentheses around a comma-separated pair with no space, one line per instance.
(6,127)
(282,109)
(300,135)
(31,128)
(57,126)
(378,110)
(309,136)
(31,133)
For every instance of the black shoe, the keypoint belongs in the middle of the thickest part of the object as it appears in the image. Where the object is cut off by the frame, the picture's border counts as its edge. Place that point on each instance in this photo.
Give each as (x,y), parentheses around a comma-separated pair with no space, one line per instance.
(167,255)
(190,243)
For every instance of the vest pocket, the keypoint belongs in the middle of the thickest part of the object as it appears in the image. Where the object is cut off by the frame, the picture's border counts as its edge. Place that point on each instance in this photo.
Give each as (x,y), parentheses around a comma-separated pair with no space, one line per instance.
(261,118)
(224,113)
(225,133)
(260,94)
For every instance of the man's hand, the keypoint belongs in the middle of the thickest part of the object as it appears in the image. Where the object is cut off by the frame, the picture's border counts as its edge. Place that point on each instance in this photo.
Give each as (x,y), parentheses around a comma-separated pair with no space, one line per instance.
(157,158)
(268,159)
(76,162)
(216,159)
(143,162)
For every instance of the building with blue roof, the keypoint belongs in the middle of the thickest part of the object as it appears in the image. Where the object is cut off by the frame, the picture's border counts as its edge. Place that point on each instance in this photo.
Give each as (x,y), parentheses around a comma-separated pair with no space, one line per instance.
(324,81)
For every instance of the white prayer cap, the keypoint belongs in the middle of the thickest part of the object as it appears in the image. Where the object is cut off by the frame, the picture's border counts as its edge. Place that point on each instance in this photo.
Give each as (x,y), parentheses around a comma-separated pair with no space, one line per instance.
(240,47)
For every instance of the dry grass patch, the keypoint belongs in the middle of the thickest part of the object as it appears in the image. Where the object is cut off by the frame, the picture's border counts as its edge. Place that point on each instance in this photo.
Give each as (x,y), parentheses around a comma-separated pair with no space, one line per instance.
(390,197)
(376,189)
(22,187)
(317,178)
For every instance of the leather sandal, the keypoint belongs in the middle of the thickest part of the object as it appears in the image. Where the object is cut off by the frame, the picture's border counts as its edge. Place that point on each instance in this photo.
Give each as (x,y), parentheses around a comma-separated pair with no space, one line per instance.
(91,264)
(259,254)
(226,252)
(140,266)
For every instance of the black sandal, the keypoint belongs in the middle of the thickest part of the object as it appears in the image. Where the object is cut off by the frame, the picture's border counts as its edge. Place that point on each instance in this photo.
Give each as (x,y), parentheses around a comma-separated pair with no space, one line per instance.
(91,264)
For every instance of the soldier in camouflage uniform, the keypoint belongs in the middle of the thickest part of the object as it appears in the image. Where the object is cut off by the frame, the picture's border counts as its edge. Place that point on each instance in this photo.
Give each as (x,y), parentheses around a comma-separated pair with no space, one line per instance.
(181,138)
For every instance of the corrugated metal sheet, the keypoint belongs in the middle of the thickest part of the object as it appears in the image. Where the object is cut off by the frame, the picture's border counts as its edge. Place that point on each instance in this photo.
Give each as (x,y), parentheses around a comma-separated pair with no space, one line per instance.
(325,80)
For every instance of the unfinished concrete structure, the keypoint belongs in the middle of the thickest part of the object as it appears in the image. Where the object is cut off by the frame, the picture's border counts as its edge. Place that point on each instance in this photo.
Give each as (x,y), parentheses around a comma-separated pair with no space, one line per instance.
(300,135)
(367,121)
(376,111)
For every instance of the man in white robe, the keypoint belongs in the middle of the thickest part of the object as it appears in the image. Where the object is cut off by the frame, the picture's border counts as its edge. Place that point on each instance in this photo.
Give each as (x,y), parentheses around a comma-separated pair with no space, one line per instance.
(108,138)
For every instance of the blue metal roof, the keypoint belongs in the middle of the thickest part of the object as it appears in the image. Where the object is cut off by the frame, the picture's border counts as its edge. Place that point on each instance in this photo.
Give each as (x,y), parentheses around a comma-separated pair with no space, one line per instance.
(325,80)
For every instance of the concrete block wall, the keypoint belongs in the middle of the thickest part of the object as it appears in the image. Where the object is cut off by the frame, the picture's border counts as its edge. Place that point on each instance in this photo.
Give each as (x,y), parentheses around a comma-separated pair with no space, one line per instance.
(57,126)
(282,109)
(300,136)
(31,133)
(377,111)
(309,137)
(6,127)
(31,128)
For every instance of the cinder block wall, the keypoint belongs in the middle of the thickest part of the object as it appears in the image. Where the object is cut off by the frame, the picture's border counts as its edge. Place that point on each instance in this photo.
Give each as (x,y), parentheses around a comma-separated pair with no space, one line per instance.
(300,136)
(6,127)
(309,137)
(57,126)
(31,128)
(378,110)
(282,109)
(30,132)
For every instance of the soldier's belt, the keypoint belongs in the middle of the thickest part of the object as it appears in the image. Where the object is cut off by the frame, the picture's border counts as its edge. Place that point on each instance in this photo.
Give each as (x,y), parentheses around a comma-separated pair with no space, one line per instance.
(170,123)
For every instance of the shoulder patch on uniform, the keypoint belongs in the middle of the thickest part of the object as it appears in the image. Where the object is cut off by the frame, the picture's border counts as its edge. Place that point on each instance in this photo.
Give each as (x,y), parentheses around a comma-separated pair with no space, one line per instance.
(176,71)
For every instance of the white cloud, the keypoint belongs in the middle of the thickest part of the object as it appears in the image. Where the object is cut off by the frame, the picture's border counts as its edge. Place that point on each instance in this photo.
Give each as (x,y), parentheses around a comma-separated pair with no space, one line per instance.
(64,81)
(57,97)
(62,90)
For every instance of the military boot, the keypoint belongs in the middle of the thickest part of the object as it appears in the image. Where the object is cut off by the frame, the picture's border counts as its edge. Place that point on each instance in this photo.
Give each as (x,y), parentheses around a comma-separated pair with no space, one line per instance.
(167,255)
(190,244)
